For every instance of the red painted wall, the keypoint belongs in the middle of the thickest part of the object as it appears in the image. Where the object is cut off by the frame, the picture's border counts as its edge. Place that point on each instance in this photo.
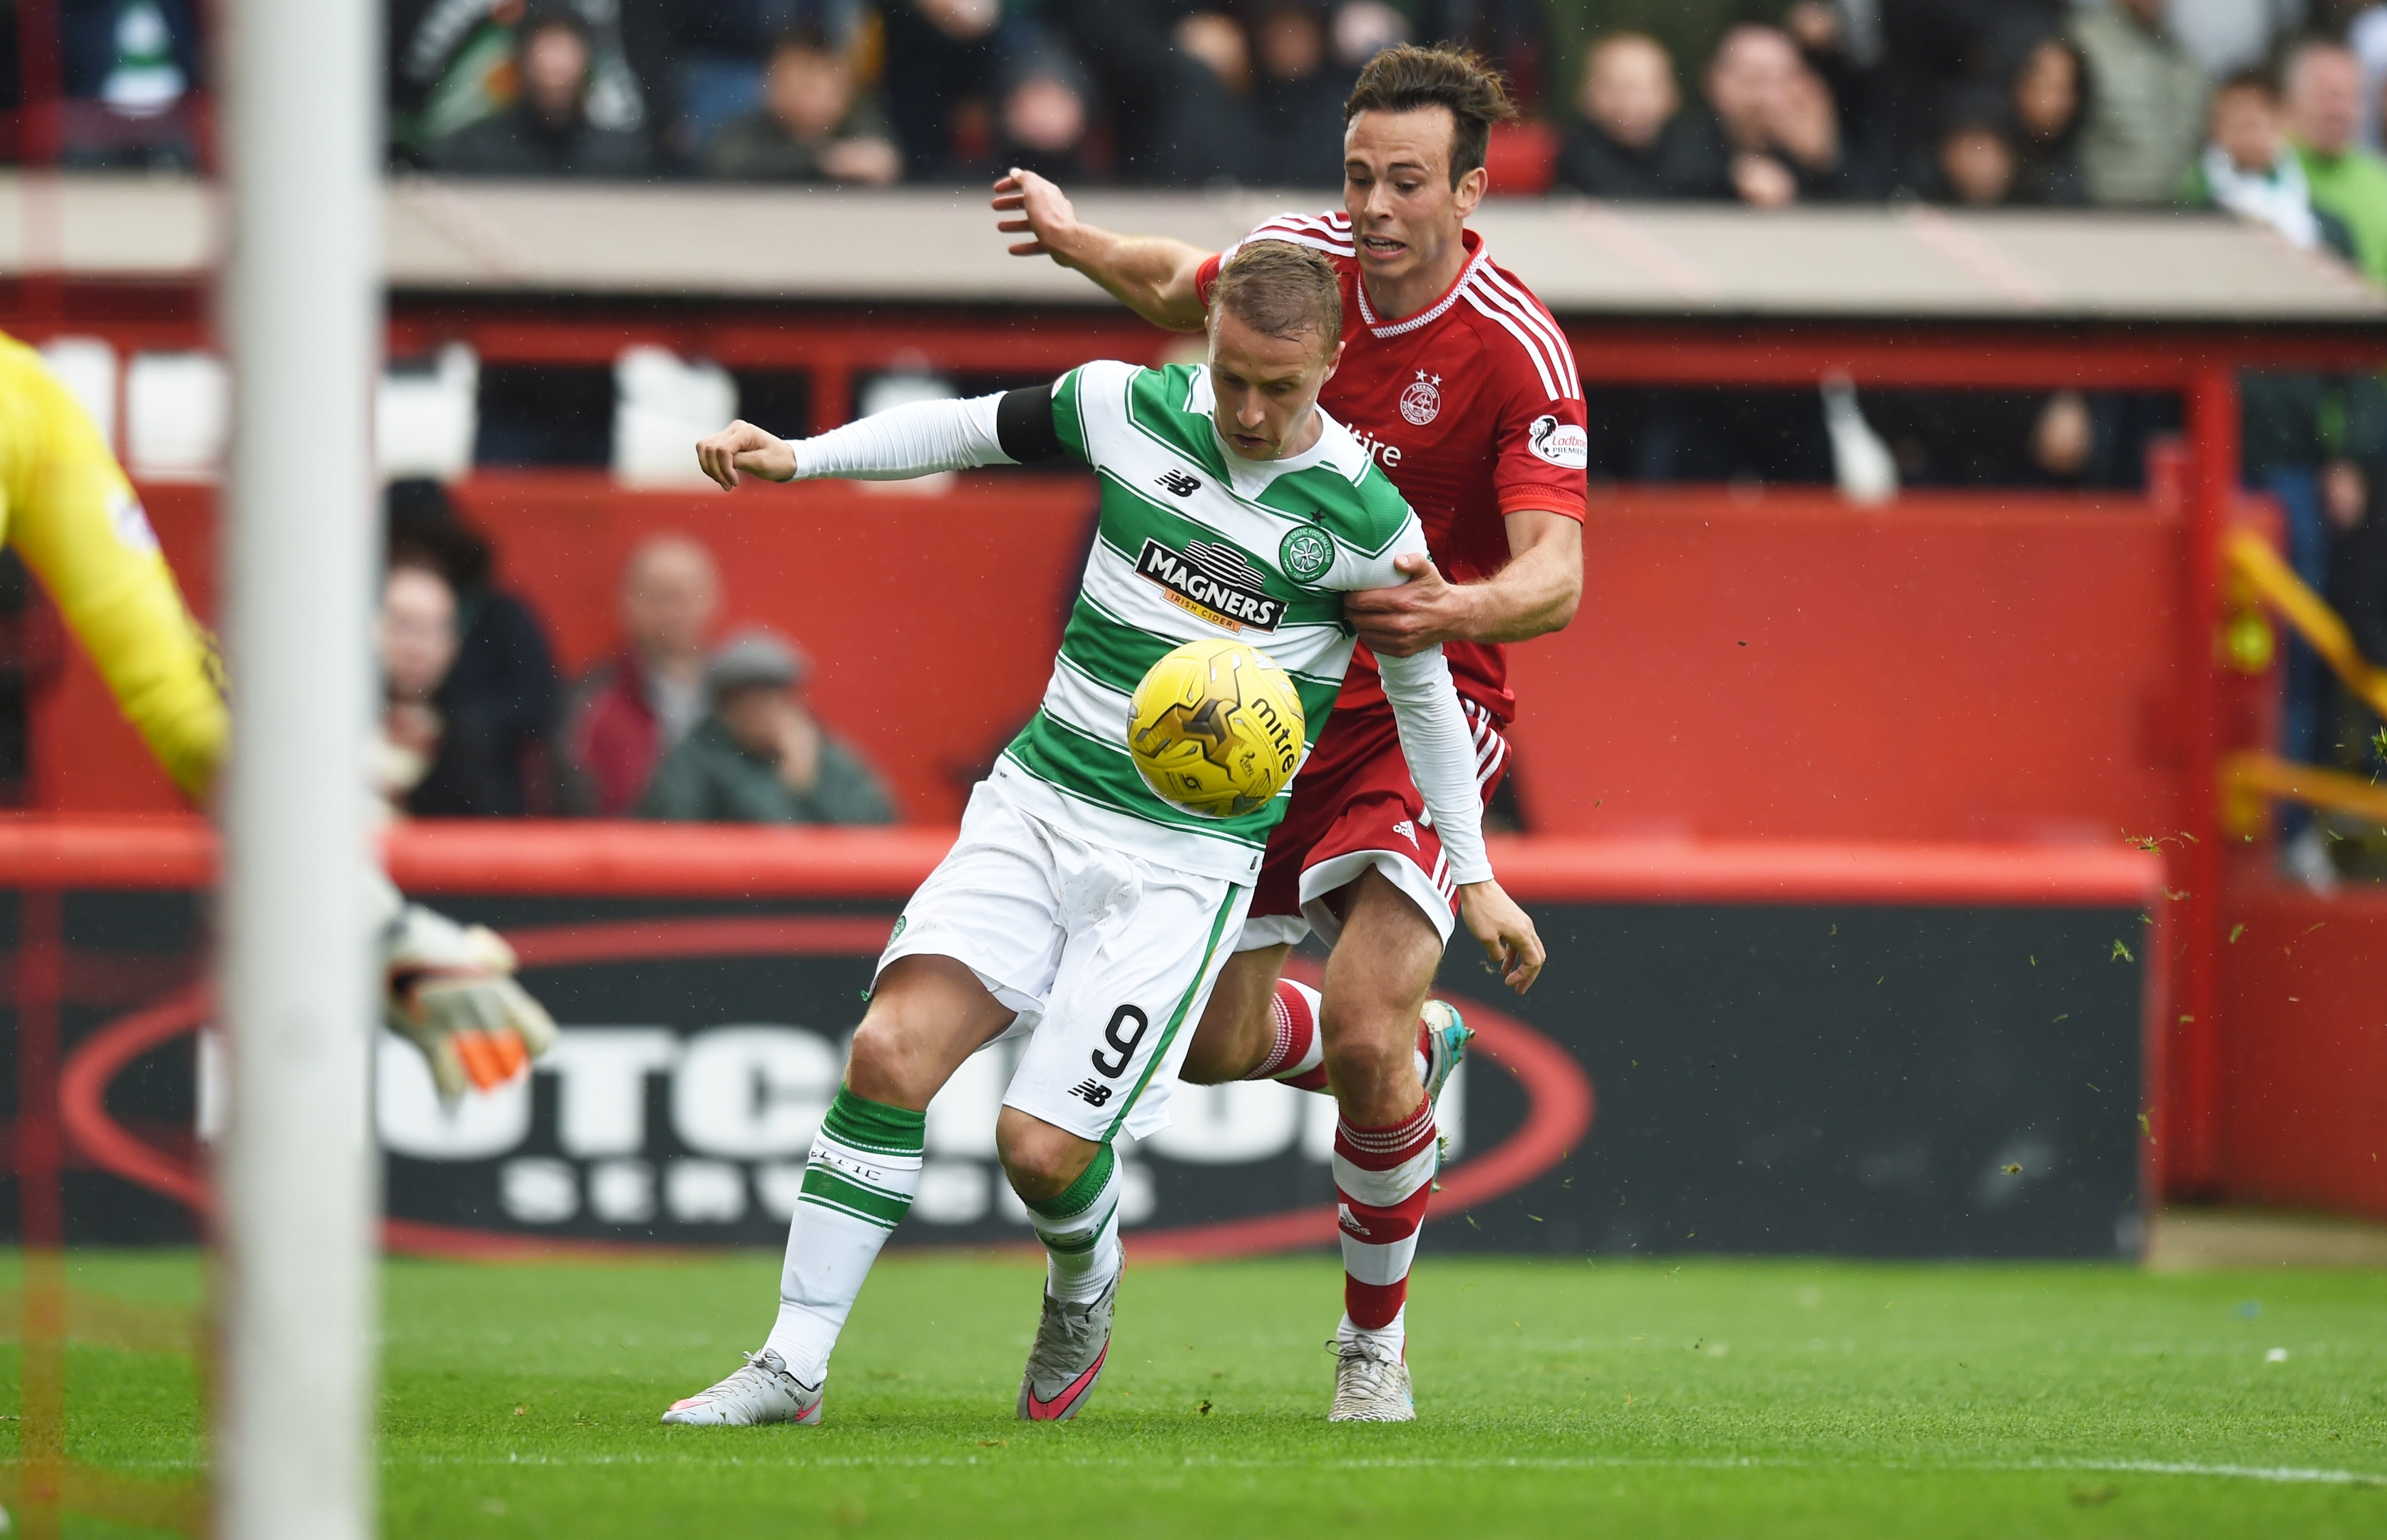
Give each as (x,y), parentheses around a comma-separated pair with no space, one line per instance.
(1744,666)
(1774,664)
(2304,1070)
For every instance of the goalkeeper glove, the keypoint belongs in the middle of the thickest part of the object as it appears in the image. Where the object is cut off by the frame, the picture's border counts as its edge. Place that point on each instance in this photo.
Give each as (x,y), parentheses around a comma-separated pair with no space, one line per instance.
(452,994)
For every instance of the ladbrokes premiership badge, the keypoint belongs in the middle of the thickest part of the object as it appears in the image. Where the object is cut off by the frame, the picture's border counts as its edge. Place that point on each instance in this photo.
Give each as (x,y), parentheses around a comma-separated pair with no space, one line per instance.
(1421,402)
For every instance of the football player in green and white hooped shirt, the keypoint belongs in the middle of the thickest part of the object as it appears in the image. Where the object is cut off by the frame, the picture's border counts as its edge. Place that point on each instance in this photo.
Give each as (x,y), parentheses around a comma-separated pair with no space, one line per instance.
(1077,908)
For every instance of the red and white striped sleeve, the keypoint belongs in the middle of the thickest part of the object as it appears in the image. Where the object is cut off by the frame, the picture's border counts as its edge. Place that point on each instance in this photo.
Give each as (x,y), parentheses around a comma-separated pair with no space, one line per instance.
(1542,443)
(1327,232)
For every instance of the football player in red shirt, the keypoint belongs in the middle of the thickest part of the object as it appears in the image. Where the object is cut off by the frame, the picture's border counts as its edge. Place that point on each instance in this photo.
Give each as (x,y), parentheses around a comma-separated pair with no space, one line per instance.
(1466,392)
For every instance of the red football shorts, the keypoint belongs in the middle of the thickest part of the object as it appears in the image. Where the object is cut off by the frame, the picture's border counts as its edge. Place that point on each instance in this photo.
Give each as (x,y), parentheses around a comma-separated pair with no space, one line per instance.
(1354,806)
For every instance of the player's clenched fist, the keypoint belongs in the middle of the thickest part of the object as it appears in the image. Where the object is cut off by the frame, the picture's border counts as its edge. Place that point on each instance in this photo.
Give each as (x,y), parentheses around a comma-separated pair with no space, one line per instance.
(744,447)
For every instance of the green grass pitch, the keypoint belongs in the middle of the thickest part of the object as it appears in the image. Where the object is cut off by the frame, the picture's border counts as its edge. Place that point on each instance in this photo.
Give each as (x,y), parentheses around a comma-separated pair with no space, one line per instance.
(1556,1397)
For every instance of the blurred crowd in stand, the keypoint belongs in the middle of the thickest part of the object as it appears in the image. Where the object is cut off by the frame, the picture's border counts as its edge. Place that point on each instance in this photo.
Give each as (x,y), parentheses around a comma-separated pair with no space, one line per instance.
(677,723)
(1767,102)
(2264,110)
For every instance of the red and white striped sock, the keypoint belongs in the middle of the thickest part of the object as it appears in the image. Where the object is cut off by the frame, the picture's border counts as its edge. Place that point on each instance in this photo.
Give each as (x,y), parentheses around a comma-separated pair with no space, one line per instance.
(1298,1056)
(1383,1178)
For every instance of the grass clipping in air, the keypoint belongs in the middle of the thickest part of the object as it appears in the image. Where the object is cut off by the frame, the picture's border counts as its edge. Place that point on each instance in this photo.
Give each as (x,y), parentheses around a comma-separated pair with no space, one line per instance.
(1555,1397)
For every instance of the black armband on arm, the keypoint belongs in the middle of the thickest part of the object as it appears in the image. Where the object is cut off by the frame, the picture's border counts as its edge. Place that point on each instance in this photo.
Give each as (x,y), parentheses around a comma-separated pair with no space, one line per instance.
(1023,425)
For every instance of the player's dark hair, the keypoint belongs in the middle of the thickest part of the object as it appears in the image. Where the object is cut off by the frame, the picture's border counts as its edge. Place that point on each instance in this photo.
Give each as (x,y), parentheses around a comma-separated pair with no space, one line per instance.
(1283,290)
(1408,77)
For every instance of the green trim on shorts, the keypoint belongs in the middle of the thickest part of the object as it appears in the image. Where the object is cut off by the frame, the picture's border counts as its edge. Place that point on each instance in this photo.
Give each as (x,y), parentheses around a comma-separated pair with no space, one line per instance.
(1177,1019)
(1079,1195)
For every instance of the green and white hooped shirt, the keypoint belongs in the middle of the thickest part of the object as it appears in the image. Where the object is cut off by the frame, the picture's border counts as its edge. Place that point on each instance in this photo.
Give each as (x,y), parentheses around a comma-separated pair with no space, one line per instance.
(1194,542)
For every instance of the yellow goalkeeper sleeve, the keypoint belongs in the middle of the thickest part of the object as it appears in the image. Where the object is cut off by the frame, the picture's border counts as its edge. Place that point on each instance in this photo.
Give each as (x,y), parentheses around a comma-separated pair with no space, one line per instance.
(68,510)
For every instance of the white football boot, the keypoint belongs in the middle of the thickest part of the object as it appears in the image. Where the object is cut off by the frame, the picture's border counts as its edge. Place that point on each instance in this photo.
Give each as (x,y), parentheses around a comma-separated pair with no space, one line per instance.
(1371,1383)
(1072,1343)
(1446,1038)
(761,1391)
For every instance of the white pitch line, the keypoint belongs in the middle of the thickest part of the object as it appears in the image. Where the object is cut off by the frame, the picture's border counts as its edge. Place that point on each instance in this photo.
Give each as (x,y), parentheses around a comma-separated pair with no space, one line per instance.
(2277,1474)
(2284,1474)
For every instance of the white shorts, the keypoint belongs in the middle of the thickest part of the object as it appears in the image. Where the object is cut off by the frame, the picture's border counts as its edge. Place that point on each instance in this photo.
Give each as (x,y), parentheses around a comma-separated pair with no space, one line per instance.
(1108,959)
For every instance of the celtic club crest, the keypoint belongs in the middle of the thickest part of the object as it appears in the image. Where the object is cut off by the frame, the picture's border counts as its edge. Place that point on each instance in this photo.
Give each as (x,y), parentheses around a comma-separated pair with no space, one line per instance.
(1422,400)
(1306,552)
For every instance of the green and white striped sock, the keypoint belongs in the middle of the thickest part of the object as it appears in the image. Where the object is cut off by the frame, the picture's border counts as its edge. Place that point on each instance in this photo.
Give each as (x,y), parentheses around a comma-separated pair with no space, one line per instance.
(858,1184)
(1081,1233)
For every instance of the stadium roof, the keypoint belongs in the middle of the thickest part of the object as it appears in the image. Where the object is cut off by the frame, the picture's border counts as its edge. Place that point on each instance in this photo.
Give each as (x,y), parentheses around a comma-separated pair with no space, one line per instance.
(924,245)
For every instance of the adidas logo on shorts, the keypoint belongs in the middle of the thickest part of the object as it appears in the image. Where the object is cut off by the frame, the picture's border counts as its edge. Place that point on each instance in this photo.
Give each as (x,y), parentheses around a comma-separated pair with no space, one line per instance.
(1407,832)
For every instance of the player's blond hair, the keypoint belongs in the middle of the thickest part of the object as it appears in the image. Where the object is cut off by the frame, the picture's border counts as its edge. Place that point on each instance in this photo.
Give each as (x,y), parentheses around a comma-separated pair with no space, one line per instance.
(1283,290)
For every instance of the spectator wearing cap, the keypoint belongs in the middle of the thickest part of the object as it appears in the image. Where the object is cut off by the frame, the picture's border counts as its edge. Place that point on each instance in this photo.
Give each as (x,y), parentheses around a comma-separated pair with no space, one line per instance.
(626,713)
(759,756)
(2146,104)
(1629,103)
(547,133)
(813,124)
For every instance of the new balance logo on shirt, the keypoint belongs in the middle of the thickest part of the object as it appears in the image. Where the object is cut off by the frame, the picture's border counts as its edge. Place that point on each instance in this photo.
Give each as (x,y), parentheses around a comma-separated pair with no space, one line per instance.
(1181,484)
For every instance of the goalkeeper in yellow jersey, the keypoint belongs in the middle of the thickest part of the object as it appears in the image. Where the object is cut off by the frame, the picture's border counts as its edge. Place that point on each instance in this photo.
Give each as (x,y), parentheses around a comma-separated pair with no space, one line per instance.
(69,512)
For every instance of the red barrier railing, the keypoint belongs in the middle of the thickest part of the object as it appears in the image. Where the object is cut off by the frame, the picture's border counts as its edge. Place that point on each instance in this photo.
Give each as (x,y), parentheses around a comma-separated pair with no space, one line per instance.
(738,861)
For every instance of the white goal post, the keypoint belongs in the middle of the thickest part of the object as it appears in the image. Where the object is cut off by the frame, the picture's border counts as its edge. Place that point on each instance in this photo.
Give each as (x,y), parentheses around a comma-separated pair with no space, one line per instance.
(297,1179)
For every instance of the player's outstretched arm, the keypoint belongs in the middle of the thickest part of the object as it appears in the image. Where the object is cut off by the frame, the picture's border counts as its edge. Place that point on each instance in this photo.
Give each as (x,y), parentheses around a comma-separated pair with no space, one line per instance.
(919,438)
(1504,931)
(1537,593)
(1151,275)
(744,447)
